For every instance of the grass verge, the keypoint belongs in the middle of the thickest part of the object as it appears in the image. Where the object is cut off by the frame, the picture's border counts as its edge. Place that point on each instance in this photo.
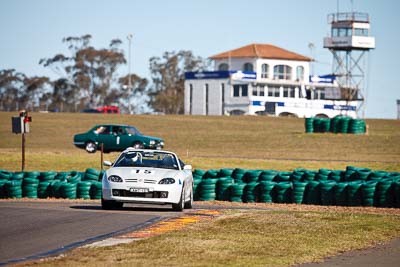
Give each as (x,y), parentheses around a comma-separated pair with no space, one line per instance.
(246,238)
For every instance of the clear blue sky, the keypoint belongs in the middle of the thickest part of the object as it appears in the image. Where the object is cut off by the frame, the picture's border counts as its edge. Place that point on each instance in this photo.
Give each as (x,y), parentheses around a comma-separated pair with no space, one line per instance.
(31,30)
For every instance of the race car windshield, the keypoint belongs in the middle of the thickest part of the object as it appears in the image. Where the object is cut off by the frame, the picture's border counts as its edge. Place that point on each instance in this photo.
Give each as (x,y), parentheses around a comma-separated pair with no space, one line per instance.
(147,159)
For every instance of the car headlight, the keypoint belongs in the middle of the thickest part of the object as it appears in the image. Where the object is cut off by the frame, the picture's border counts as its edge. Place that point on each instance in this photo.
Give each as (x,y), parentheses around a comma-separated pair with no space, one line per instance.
(152,142)
(162,143)
(115,179)
(167,181)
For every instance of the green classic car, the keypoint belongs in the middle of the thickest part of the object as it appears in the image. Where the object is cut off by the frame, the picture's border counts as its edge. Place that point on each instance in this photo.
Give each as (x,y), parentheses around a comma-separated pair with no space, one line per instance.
(115,138)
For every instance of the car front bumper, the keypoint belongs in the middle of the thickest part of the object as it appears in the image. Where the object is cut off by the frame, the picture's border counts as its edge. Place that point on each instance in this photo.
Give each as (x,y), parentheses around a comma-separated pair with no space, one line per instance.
(142,193)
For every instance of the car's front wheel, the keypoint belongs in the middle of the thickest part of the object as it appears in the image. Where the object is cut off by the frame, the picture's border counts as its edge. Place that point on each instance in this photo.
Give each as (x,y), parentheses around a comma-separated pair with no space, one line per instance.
(189,203)
(181,204)
(110,204)
(90,147)
(138,145)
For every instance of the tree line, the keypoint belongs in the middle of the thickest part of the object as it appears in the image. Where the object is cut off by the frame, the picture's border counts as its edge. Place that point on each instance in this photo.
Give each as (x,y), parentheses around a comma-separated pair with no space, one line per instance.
(88,77)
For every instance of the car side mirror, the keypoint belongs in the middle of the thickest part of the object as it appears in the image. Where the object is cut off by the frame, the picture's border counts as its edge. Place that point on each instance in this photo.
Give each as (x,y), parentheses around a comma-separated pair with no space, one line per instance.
(187,167)
(107,163)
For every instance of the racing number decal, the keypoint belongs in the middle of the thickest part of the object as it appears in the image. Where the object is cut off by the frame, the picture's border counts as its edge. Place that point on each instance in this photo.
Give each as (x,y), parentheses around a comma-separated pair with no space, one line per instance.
(144,171)
(118,140)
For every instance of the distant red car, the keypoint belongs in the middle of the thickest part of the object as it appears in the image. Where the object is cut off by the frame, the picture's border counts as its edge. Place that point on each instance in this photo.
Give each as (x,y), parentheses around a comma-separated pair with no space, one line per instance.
(108,109)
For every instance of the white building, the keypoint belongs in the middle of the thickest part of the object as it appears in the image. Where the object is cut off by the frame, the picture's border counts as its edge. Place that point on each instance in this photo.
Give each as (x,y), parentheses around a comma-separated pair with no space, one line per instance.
(263,79)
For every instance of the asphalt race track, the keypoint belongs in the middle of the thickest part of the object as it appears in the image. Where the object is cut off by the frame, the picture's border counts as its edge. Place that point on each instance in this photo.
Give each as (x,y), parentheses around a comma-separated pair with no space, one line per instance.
(33,229)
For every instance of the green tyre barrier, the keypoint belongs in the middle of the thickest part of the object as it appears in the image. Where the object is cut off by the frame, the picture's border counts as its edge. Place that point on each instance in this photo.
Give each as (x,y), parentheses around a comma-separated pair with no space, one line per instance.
(313,193)
(384,194)
(266,191)
(223,188)
(396,189)
(283,192)
(309,125)
(328,193)
(236,192)
(43,190)
(298,191)
(3,192)
(368,193)
(5,175)
(14,188)
(341,194)
(354,195)
(249,194)
(96,190)
(225,172)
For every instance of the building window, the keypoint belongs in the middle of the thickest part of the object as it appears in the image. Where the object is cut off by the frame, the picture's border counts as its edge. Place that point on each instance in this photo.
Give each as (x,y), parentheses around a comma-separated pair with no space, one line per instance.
(240,90)
(259,90)
(223,66)
(245,90)
(190,99)
(300,73)
(206,98)
(222,98)
(273,91)
(360,32)
(282,72)
(319,94)
(264,70)
(248,67)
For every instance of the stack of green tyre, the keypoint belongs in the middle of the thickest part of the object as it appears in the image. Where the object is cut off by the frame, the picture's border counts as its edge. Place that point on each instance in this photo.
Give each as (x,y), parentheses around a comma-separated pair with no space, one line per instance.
(265,191)
(91,175)
(309,125)
(96,191)
(396,189)
(43,190)
(283,192)
(308,176)
(225,172)
(83,189)
(68,190)
(238,174)
(267,175)
(368,193)
(384,193)
(236,192)
(29,186)
(249,192)
(251,176)
(335,175)
(322,125)
(313,193)
(341,194)
(223,188)
(323,174)
(344,124)
(13,188)
(208,189)
(357,126)
(283,177)
(354,193)
(298,192)
(196,187)
(327,192)
(335,124)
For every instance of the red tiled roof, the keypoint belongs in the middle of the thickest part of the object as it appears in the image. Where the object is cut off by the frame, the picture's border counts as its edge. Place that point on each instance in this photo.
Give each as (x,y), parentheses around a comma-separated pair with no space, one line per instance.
(261,51)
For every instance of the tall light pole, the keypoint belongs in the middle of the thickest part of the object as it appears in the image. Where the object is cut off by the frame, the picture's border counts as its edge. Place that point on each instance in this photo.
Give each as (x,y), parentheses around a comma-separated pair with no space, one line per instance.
(129,37)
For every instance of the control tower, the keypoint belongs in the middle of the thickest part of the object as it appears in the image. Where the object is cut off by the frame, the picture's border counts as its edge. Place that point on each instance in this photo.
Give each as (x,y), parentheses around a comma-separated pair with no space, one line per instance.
(349,42)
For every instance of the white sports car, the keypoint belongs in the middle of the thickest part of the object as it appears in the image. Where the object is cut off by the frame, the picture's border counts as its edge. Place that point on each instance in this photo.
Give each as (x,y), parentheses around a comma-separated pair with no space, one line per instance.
(149,177)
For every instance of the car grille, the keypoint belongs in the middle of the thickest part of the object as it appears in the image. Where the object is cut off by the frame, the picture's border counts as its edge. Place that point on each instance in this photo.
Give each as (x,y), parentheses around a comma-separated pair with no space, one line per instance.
(146,181)
(126,193)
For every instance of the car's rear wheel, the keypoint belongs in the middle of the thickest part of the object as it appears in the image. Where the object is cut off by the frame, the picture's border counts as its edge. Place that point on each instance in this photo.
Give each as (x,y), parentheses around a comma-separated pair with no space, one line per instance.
(189,203)
(138,145)
(181,204)
(90,147)
(110,204)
